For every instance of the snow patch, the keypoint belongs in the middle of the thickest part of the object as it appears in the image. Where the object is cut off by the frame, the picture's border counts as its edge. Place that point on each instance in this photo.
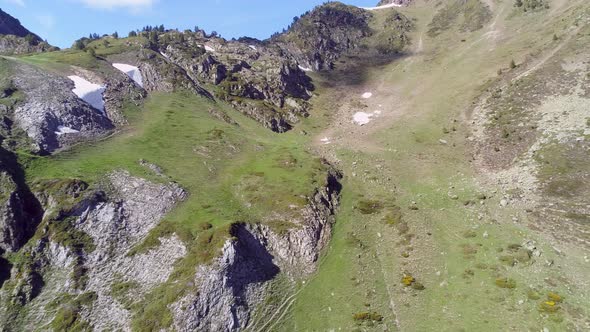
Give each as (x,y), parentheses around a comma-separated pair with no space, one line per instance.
(89,92)
(362,118)
(131,71)
(209,48)
(253,47)
(305,68)
(164,55)
(367,95)
(62,130)
(325,140)
(381,7)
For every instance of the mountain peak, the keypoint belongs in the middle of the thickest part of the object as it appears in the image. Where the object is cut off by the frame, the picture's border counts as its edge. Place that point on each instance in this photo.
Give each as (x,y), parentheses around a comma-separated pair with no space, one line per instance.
(12,26)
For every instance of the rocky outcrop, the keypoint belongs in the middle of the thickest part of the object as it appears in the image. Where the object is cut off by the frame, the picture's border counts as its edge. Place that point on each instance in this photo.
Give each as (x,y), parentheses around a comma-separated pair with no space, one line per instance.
(318,38)
(158,74)
(83,247)
(52,116)
(231,287)
(120,89)
(13,45)
(257,79)
(19,210)
(16,39)
(395,2)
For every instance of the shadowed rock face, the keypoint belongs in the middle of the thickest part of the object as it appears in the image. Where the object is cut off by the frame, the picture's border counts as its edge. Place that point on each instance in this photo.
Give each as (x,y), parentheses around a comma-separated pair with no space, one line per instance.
(20,211)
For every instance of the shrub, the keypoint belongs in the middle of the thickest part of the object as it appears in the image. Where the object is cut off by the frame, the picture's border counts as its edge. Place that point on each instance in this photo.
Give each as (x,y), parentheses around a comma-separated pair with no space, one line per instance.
(506,283)
(548,307)
(370,207)
(408,280)
(512,64)
(554,297)
(367,316)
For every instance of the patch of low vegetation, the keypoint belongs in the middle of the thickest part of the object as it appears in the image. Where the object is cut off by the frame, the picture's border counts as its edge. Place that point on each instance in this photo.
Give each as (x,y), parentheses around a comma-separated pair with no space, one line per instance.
(370,206)
(367,316)
(471,15)
(530,5)
(64,233)
(120,291)
(67,317)
(393,216)
(507,283)
(515,254)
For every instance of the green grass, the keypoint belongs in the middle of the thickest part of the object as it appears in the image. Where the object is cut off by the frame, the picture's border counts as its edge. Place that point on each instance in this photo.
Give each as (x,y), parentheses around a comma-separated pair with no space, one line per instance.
(117,46)
(233,174)
(62,59)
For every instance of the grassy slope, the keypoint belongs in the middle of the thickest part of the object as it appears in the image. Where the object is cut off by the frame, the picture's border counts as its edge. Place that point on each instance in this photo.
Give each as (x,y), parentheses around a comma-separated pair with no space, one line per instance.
(233,173)
(222,166)
(448,253)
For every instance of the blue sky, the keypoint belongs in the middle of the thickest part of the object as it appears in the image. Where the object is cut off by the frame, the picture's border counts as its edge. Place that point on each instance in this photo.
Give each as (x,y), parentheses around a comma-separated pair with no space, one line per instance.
(63,21)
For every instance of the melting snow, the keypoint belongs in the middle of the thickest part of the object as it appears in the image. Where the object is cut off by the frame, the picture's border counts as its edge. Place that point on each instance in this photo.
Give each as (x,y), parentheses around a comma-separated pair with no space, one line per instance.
(362,118)
(209,48)
(61,130)
(325,140)
(164,55)
(305,68)
(367,95)
(131,71)
(89,92)
(382,7)
(252,47)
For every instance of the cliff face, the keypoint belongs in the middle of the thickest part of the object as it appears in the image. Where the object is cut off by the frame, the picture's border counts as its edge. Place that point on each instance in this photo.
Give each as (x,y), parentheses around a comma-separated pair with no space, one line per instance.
(235,283)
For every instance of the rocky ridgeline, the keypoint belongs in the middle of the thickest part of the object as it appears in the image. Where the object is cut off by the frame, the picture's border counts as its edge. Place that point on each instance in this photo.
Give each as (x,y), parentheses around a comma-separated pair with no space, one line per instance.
(320,37)
(396,2)
(82,250)
(16,39)
(12,45)
(253,77)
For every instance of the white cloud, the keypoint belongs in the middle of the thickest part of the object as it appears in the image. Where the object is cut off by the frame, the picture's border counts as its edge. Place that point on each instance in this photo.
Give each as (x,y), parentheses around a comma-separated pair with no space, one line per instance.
(16,2)
(112,4)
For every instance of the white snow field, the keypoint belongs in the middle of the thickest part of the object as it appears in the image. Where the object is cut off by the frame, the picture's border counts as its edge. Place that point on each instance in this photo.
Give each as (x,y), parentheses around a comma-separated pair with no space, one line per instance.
(367,95)
(131,71)
(89,92)
(62,130)
(391,5)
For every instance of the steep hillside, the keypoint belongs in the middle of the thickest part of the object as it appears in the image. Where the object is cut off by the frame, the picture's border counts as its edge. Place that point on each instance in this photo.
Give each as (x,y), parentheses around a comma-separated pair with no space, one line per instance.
(11,26)
(421,167)
(16,39)
(320,37)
